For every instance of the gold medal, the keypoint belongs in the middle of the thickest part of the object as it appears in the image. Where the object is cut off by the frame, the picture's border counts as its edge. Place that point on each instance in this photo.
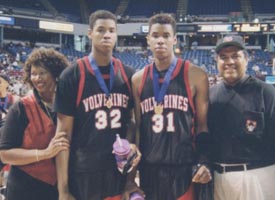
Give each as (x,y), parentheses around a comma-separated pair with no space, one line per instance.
(109,103)
(158,109)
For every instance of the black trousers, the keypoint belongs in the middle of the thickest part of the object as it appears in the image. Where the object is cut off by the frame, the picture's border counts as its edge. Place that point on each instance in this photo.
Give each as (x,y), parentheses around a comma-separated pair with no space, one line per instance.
(21,186)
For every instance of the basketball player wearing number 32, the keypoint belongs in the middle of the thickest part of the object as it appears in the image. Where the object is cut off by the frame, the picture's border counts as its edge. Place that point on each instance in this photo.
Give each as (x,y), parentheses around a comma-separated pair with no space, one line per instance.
(94,103)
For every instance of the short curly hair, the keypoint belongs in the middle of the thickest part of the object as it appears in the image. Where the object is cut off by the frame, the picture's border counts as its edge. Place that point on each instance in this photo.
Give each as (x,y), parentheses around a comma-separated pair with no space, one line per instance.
(100,14)
(50,59)
(163,18)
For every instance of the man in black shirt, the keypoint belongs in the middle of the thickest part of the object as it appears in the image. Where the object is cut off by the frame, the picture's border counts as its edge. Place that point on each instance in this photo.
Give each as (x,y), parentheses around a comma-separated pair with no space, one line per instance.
(241,120)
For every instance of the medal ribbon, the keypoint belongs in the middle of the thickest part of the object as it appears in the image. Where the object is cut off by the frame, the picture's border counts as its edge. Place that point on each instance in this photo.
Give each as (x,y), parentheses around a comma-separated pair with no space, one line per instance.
(159,92)
(99,77)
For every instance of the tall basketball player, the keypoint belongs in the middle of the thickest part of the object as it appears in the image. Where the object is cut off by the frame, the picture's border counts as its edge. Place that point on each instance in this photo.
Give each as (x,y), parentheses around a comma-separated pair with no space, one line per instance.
(94,103)
(171,102)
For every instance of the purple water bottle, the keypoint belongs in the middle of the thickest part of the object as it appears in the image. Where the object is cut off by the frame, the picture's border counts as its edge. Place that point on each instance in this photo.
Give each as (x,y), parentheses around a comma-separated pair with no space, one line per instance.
(123,154)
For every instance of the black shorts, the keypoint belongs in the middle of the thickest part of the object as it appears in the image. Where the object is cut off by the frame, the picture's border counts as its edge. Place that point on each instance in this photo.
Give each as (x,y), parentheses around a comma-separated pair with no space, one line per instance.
(97,185)
(163,182)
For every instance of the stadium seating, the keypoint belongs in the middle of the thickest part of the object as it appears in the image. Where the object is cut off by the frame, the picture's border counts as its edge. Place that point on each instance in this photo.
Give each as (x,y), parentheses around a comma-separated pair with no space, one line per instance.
(110,5)
(25,4)
(263,6)
(137,59)
(148,8)
(69,8)
(211,7)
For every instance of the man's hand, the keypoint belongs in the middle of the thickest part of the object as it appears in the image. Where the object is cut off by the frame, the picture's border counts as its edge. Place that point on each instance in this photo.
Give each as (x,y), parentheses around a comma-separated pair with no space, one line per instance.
(202,175)
(138,157)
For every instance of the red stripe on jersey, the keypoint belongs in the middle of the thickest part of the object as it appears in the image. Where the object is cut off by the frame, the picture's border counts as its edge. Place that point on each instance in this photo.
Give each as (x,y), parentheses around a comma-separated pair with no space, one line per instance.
(81,81)
(178,67)
(88,65)
(189,92)
(118,197)
(115,61)
(151,70)
(105,76)
(188,195)
(124,76)
(146,68)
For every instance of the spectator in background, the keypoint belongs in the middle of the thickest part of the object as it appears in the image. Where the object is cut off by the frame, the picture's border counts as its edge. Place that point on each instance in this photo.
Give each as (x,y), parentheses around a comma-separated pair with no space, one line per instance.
(194,45)
(211,80)
(27,140)
(241,120)
(6,98)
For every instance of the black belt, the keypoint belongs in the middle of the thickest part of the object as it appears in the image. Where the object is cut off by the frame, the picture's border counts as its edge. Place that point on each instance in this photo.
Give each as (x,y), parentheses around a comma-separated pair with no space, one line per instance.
(220,168)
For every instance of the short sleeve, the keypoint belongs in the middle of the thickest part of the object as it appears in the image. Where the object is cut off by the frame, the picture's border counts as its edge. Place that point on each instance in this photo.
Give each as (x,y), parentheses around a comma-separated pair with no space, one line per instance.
(13,130)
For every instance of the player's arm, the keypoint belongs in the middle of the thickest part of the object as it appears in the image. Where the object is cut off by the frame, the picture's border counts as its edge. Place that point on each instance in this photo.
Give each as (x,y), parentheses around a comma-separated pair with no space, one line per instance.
(131,185)
(64,124)
(199,82)
(200,89)
(136,81)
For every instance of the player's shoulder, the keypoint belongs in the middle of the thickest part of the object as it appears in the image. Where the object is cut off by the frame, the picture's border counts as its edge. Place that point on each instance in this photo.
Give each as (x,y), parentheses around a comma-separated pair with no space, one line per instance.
(196,74)
(129,70)
(196,69)
(138,74)
(137,78)
(71,71)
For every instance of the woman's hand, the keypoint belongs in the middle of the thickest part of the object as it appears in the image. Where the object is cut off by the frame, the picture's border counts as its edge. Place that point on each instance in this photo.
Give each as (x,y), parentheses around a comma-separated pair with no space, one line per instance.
(58,143)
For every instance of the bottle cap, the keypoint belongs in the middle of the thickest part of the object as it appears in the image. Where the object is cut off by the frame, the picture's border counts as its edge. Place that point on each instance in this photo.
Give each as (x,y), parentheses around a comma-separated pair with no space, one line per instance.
(121,146)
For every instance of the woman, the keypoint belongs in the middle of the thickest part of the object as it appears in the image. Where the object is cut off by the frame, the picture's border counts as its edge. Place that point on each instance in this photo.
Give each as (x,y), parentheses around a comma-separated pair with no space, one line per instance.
(28,141)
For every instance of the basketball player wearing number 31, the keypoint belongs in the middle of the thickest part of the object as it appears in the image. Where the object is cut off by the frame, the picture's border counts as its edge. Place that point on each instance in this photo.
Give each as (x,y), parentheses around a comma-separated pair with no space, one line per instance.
(171,102)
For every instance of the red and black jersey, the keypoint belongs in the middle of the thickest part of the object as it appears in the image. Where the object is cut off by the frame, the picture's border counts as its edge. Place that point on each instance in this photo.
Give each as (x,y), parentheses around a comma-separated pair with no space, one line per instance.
(167,138)
(95,125)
